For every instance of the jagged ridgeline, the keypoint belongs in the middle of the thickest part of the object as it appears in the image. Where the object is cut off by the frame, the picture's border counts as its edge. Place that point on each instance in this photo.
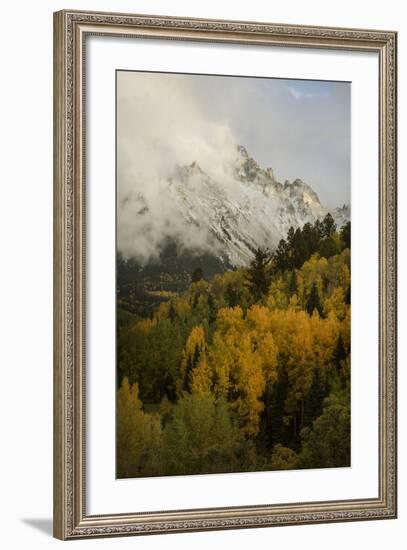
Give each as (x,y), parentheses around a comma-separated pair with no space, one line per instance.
(221,219)
(244,370)
(233,326)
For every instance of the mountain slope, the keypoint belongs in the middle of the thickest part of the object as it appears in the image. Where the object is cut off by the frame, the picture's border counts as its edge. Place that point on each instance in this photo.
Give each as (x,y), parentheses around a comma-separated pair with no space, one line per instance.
(247,208)
(231,212)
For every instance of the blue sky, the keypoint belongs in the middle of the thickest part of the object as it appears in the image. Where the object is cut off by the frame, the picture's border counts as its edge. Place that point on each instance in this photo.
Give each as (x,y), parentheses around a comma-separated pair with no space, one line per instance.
(299,128)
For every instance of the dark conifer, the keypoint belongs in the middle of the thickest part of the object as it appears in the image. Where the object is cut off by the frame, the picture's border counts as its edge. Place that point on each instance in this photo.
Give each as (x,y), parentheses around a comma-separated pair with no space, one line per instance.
(314,301)
(339,353)
(197,275)
(328,226)
(293,285)
(258,274)
(345,235)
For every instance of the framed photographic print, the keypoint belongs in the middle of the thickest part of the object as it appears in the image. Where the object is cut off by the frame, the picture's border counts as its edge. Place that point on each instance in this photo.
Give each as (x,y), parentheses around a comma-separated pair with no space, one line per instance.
(225,274)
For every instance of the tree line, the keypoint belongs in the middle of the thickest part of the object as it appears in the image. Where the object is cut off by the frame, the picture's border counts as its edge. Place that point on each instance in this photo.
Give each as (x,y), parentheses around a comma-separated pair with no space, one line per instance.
(247,371)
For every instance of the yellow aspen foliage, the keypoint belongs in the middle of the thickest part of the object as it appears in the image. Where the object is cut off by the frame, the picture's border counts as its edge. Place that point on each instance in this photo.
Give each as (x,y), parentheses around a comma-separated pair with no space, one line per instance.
(313,271)
(277,296)
(197,336)
(201,378)
(294,303)
(182,308)
(300,364)
(230,317)
(304,343)
(258,318)
(221,360)
(338,272)
(301,293)
(231,282)
(243,357)
(344,276)
(144,326)
(195,347)
(335,303)
(267,349)
(137,432)
(163,311)
(262,341)
(248,384)
(325,335)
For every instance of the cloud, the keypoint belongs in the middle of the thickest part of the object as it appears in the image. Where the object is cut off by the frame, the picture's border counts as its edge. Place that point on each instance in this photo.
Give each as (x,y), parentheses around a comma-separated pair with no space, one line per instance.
(161,125)
(298,94)
(299,128)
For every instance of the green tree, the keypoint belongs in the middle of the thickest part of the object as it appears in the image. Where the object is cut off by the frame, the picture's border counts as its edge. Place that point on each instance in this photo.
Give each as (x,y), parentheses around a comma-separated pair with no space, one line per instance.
(258,274)
(282,257)
(284,458)
(172,313)
(197,275)
(347,296)
(315,398)
(201,437)
(328,226)
(327,443)
(278,431)
(339,353)
(232,296)
(346,235)
(293,284)
(329,247)
(138,434)
(314,301)
(236,369)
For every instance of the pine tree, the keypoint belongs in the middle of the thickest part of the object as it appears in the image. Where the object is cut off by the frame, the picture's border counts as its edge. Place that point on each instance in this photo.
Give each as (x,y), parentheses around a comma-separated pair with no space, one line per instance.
(281,255)
(318,229)
(258,274)
(275,410)
(347,296)
(194,347)
(339,353)
(315,399)
(293,285)
(212,311)
(290,235)
(191,364)
(197,275)
(328,226)
(232,296)
(314,301)
(345,235)
(172,312)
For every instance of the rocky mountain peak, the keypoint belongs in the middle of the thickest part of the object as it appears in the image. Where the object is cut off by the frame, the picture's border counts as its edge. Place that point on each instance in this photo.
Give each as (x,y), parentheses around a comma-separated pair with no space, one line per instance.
(233,215)
(242,151)
(269,173)
(194,168)
(247,169)
(299,190)
(187,172)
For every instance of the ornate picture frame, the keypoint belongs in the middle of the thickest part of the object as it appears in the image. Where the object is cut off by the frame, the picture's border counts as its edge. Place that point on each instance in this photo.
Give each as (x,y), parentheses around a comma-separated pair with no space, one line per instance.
(71,518)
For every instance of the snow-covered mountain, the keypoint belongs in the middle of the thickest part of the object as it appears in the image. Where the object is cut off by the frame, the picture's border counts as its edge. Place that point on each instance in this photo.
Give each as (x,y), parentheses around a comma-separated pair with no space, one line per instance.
(242,208)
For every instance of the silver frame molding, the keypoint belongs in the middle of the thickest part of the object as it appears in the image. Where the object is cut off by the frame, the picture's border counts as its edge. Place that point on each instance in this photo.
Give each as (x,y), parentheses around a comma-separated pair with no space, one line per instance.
(70,518)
